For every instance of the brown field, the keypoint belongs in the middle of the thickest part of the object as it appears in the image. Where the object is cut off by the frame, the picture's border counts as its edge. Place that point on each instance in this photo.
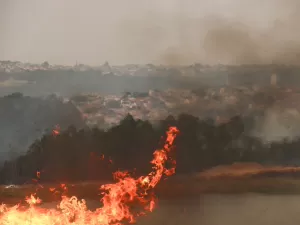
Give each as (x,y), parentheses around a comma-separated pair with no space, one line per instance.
(247,194)
(233,179)
(173,188)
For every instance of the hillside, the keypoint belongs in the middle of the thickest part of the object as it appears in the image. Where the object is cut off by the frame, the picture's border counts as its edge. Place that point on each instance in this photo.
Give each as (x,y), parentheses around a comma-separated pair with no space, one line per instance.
(25,119)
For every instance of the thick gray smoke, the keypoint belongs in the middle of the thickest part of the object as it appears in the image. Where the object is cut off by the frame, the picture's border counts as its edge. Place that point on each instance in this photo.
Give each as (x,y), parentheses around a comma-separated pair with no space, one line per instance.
(167,32)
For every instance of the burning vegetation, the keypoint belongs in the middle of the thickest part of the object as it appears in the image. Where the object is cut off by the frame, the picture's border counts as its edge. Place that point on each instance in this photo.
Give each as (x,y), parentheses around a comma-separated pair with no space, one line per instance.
(116,198)
(93,154)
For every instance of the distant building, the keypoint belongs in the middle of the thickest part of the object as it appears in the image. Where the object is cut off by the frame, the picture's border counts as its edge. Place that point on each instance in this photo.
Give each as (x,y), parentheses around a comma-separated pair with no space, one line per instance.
(273,80)
(106,68)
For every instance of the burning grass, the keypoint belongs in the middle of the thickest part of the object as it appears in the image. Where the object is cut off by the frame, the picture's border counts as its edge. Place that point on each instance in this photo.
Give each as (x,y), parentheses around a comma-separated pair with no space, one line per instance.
(117,198)
(173,188)
(130,197)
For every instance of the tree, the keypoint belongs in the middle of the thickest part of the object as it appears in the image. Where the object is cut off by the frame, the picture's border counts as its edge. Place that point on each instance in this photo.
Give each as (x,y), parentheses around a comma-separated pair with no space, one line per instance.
(76,155)
(45,65)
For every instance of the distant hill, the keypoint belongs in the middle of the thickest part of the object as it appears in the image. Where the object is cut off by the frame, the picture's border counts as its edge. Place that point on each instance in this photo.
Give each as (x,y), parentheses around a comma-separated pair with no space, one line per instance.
(24,119)
(68,83)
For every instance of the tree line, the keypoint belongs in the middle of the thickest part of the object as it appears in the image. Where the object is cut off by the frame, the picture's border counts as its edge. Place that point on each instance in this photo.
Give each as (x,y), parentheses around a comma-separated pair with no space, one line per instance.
(93,154)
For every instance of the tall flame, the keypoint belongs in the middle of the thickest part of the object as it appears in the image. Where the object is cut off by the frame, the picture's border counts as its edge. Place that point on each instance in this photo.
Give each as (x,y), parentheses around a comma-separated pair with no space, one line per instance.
(116,199)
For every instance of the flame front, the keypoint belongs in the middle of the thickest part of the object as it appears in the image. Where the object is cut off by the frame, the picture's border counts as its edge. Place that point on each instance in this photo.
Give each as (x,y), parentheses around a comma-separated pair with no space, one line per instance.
(116,198)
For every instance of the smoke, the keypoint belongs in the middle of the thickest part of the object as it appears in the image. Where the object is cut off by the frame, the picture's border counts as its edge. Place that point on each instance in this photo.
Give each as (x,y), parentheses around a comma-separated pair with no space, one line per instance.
(161,32)
(278,125)
(221,35)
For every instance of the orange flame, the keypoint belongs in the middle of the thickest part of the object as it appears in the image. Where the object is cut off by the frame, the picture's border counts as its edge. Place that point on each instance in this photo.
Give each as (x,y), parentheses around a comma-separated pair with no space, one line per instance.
(115,199)
(56,130)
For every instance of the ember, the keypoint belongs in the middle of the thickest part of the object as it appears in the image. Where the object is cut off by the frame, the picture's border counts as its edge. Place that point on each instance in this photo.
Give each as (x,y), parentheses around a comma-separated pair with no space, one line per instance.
(56,130)
(116,199)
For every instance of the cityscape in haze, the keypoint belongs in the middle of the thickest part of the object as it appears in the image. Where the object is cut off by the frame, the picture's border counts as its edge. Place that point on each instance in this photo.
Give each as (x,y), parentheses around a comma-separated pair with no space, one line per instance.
(189,108)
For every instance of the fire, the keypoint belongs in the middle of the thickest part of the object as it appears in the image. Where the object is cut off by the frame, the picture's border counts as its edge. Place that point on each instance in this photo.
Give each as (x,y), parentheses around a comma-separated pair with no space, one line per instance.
(56,130)
(116,199)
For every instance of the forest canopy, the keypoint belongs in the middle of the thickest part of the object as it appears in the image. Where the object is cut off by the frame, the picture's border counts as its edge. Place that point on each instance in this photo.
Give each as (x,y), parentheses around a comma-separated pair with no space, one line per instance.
(93,154)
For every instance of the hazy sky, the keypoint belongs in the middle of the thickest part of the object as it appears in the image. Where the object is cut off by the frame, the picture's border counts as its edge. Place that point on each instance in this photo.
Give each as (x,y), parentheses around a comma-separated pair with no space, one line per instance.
(144,31)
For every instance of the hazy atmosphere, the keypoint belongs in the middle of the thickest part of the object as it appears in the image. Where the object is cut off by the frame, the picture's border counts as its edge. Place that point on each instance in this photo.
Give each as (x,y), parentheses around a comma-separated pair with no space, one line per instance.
(149,108)
(160,32)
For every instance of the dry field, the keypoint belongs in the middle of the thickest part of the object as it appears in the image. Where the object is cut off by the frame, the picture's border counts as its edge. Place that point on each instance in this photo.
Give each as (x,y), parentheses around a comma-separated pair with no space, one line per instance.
(233,179)
(195,200)
(173,188)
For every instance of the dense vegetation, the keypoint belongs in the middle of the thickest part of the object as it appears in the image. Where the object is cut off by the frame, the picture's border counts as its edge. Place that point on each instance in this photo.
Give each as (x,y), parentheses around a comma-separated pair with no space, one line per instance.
(24,118)
(76,155)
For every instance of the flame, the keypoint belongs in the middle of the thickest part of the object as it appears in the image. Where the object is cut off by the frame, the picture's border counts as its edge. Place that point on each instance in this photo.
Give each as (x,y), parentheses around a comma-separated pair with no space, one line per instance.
(56,130)
(116,198)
